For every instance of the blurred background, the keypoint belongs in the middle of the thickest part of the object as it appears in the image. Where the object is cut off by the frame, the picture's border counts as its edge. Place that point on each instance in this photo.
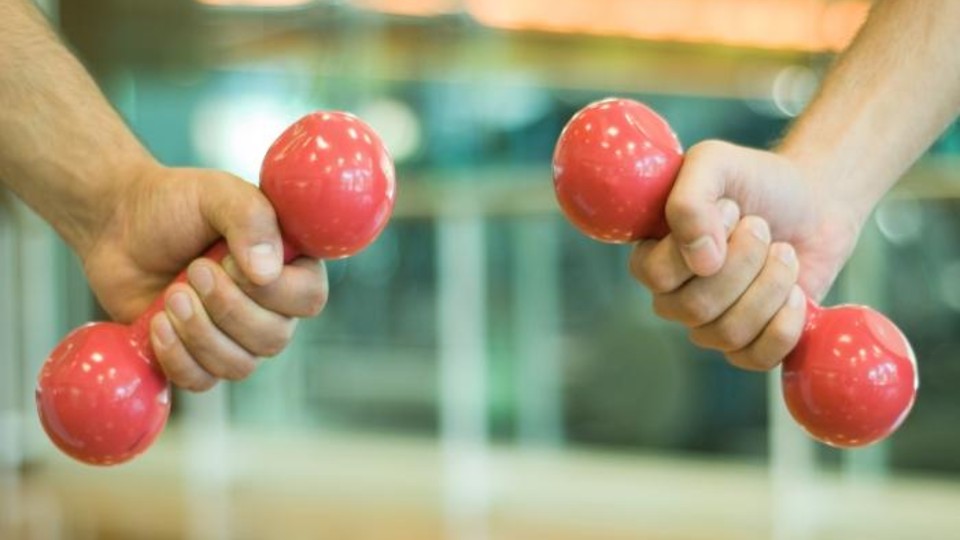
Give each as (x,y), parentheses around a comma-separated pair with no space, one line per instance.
(483,371)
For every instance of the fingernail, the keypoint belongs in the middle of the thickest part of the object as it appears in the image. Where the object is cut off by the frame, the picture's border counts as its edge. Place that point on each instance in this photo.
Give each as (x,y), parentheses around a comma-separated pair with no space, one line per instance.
(795,300)
(201,278)
(163,331)
(264,261)
(702,253)
(785,253)
(729,212)
(179,303)
(760,229)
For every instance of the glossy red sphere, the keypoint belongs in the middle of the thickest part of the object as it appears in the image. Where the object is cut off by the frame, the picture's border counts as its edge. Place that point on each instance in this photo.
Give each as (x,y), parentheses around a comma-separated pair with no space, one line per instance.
(852,379)
(332,183)
(101,396)
(101,399)
(613,168)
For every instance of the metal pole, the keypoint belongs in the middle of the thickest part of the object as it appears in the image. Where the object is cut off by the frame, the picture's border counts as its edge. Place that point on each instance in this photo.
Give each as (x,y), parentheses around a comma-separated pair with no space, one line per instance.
(536,313)
(796,510)
(461,313)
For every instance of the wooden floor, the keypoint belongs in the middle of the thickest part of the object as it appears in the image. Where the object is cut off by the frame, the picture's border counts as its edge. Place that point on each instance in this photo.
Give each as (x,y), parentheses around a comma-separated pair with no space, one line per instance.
(289,486)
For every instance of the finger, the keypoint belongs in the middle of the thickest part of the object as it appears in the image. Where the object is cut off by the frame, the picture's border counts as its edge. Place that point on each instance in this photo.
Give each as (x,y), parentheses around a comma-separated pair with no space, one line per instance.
(213,351)
(730,214)
(740,325)
(258,330)
(777,340)
(660,265)
(692,212)
(703,300)
(301,290)
(177,364)
(244,216)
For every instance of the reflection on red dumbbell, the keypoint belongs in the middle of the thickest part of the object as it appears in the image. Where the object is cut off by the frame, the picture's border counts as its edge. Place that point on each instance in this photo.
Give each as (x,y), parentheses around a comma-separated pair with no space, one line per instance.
(101,396)
(852,378)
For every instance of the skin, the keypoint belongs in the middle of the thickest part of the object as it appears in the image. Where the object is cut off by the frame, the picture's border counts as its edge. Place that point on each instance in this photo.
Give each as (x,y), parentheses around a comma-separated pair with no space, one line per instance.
(135,223)
(883,103)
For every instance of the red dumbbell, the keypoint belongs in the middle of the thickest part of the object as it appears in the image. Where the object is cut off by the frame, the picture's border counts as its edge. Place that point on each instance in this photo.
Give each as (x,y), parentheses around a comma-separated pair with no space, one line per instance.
(101,396)
(850,381)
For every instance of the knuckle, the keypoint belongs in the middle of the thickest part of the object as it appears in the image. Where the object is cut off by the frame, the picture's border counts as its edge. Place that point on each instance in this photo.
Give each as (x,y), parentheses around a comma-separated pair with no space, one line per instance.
(743,360)
(732,336)
(200,383)
(177,372)
(753,359)
(225,314)
(269,349)
(192,333)
(751,250)
(182,374)
(215,361)
(780,286)
(655,277)
(217,299)
(274,343)
(680,209)
(235,368)
(781,337)
(256,209)
(317,299)
(170,362)
(241,370)
(663,307)
(696,308)
(765,361)
(702,338)
(651,278)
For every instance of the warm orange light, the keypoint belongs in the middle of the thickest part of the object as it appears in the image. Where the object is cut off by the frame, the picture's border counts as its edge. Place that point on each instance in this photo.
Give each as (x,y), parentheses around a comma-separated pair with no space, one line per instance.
(836,34)
(417,8)
(783,24)
(255,3)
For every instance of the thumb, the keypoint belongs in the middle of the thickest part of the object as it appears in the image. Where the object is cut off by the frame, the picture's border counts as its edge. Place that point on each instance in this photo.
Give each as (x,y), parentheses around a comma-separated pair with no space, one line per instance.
(698,214)
(244,217)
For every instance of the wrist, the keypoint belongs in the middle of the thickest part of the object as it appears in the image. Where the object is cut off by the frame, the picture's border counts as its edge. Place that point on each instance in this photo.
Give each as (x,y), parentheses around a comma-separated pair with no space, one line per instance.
(109,186)
(837,215)
(833,184)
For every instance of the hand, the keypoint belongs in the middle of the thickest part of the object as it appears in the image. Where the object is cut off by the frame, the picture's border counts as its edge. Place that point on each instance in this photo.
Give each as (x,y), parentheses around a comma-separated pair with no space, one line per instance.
(738,295)
(229,314)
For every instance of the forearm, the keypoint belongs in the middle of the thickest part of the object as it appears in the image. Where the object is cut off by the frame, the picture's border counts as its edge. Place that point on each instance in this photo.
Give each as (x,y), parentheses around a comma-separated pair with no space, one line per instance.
(63,149)
(883,104)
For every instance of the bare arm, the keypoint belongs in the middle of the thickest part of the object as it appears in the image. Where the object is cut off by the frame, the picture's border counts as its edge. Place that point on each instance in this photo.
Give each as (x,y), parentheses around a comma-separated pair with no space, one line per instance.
(63,149)
(894,90)
(135,223)
(889,95)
